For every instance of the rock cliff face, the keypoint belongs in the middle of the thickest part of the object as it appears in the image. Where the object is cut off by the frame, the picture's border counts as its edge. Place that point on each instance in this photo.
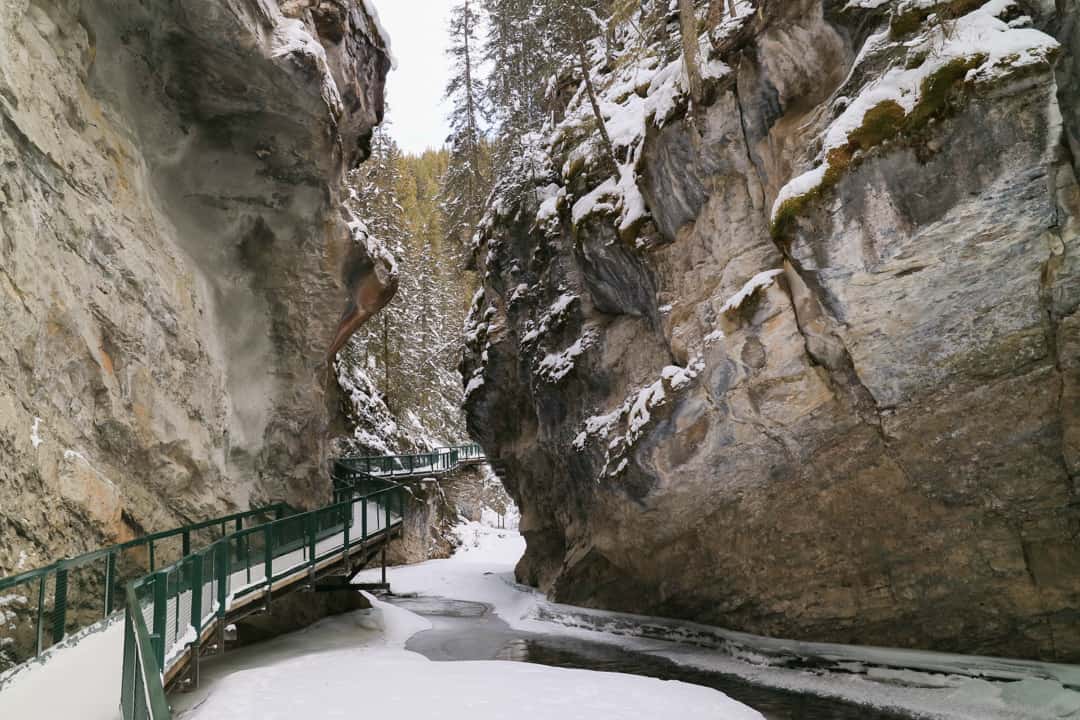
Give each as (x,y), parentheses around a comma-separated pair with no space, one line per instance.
(173,257)
(811,366)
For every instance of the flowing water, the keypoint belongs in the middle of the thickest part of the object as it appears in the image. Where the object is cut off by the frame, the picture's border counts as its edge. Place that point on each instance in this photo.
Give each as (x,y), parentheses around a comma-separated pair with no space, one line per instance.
(470,631)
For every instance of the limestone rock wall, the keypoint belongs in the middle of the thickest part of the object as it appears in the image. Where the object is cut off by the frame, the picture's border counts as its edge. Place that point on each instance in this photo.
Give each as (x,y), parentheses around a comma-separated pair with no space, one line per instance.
(172,254)
(827,388)
(437,506)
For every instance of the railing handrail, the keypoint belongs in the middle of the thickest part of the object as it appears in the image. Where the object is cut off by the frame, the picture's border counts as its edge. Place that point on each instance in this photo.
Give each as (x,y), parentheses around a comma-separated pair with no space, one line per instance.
(80,560)
(152,673)
(278,522)
(153,692)
(434,451)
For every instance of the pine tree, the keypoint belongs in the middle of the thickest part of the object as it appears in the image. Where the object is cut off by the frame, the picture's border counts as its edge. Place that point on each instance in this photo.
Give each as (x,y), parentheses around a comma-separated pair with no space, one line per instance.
(373,198)
(521,58)
(465,185)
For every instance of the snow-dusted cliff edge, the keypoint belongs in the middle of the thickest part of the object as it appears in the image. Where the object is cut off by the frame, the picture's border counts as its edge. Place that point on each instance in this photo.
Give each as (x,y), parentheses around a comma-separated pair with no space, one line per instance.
(809,365)
(173,257)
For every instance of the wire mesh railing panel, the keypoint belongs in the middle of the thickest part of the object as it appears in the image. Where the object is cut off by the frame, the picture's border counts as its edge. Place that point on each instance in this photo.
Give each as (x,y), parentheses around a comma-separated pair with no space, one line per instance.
(185,621)
(83,604)
(288,561)
(18,624)
(208,602)
(170,631)
(288,548)
(252,562)
(375,517)
(145,597)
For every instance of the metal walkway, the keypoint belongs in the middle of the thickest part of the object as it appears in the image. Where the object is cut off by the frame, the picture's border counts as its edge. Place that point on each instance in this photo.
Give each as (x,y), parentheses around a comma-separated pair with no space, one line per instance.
(436,462)
(179,589)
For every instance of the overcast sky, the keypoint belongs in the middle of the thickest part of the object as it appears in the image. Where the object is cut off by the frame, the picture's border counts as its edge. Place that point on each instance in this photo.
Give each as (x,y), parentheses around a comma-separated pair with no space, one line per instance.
(418,35)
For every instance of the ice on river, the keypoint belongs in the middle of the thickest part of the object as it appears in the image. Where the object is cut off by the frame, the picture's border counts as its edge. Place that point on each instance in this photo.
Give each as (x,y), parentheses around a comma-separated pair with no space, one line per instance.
(925,684)
(356,666)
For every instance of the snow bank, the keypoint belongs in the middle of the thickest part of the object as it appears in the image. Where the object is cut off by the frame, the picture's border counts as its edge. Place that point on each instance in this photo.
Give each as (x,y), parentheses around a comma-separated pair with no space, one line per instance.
(928,684)
(348,684)
(356,666)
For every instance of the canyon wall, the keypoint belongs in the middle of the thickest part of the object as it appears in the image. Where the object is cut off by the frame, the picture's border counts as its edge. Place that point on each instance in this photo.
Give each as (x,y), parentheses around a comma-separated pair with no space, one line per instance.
(174,258)
(807,364)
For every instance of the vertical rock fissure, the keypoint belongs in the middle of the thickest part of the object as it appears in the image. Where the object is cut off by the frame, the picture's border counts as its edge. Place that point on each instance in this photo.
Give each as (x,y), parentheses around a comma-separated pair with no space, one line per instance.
(845,380)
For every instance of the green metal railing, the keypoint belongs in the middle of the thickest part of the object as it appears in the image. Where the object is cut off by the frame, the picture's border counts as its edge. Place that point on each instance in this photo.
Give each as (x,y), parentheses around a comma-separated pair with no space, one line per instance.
(47,604)
(168,610)
(437,461)
(175,585)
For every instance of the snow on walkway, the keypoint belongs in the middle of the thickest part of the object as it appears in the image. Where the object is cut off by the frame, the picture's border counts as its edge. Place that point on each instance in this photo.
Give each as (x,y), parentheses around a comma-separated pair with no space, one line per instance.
(79,679)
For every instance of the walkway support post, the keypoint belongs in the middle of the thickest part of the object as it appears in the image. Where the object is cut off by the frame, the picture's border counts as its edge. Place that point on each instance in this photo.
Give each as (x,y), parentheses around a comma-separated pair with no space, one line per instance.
(40,616)
(268,542)
(161,587)
(196,614)
(110,582)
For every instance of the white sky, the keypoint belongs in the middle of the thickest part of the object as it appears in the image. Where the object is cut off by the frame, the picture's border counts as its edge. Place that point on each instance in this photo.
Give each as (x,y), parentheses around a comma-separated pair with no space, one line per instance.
(418,36)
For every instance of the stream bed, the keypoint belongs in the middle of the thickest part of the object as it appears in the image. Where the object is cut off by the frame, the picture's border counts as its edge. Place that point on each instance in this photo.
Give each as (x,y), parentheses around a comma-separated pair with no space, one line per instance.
(471,631)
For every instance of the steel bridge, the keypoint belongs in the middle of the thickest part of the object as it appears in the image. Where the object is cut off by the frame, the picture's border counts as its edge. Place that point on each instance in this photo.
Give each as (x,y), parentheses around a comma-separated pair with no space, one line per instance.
(180,588)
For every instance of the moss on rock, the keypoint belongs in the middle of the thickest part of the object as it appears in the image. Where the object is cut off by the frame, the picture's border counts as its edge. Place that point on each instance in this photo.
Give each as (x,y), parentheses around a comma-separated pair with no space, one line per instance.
(882,123)
(938,89)
(908,20)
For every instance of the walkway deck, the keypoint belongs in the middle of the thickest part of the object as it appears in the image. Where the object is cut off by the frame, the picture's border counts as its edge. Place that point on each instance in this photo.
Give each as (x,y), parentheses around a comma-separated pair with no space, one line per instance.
(244,562)
(436,462)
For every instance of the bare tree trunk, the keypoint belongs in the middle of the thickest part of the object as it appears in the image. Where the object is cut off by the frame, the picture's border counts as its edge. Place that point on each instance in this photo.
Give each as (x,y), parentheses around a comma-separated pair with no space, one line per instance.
(688,28)
(386,358)
(716,14)
(583,57)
